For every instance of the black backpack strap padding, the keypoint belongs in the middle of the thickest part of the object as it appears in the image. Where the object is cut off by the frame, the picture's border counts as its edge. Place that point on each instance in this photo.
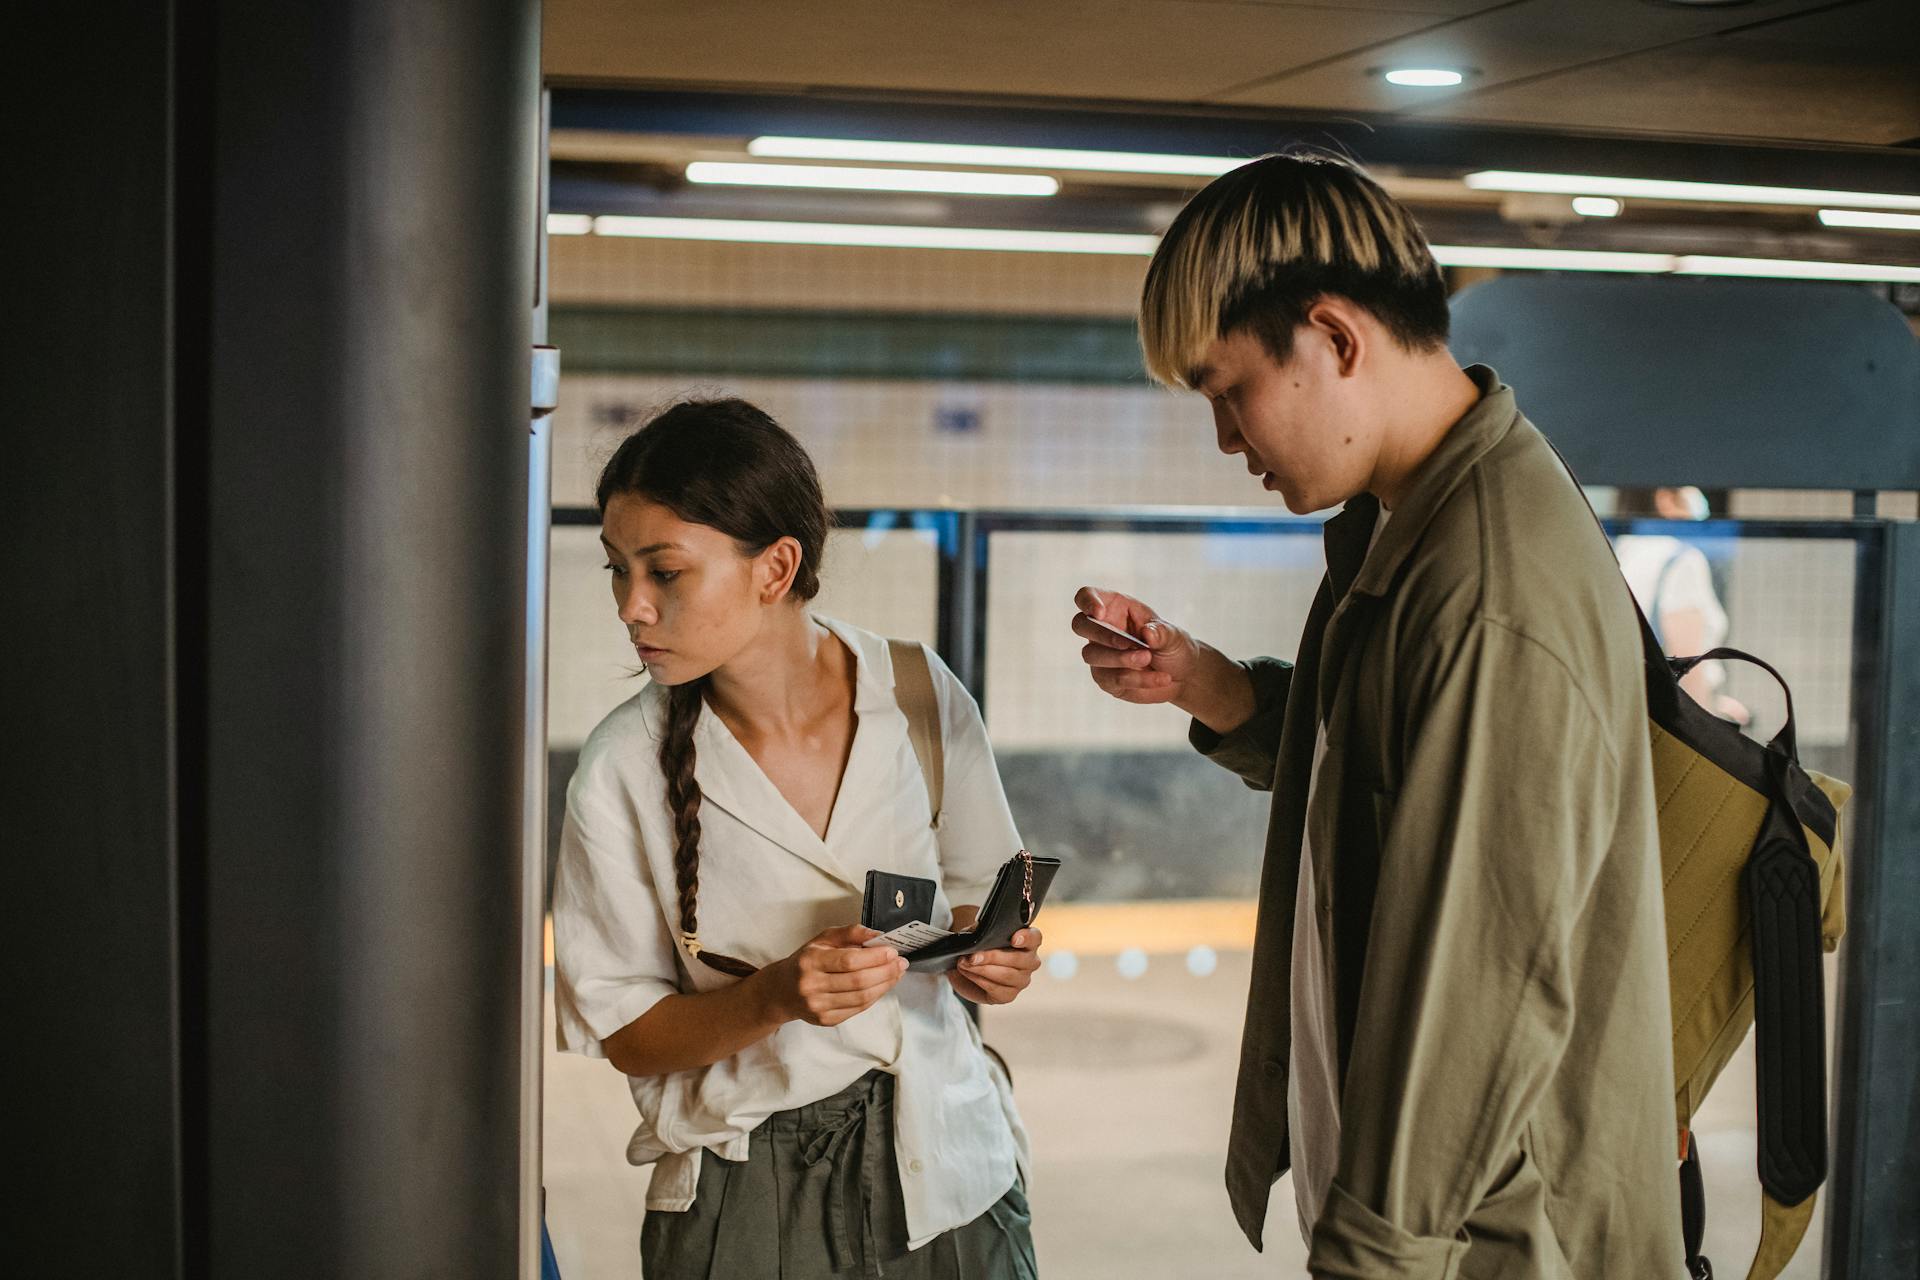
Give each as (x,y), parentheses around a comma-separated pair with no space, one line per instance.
(1693,1212)
(1782,888)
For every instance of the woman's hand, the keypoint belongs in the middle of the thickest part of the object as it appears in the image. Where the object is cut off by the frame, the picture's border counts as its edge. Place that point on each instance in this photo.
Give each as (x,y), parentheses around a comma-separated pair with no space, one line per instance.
(832,978)
(1175,667)
(997,977)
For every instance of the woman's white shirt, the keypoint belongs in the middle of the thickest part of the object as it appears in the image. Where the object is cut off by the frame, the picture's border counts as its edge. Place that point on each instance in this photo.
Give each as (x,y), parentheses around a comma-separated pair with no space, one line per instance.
(1669,577)
(767,885)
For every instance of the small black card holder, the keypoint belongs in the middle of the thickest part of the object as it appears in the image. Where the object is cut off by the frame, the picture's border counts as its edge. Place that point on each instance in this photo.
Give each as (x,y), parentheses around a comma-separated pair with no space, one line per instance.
(892,901)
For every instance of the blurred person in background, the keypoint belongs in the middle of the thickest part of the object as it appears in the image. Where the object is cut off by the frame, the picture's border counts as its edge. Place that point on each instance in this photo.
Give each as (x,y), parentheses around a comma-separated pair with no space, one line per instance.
(1674,584)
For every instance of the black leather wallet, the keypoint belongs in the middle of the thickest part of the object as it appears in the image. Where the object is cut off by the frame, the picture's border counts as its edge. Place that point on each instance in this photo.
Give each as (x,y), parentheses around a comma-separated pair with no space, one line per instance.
(1011,905)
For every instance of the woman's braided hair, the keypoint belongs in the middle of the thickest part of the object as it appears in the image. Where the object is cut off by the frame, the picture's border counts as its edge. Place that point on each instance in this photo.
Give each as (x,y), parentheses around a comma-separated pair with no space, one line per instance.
(727,465)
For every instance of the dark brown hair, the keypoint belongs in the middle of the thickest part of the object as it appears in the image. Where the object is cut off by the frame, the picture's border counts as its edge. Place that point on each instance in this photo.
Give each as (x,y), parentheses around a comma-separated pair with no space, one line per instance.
(727,465)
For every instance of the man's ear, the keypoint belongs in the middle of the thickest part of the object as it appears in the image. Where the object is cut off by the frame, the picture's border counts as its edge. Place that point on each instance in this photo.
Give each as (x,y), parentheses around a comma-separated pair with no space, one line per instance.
(1343,323)
(776,568)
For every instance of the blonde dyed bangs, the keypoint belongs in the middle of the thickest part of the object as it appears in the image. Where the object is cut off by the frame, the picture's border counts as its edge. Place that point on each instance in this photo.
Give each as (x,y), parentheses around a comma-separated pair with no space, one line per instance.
(1240,232)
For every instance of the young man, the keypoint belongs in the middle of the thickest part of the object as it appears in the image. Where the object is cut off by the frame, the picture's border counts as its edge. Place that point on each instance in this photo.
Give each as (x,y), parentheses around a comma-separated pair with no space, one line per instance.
(1457,1034)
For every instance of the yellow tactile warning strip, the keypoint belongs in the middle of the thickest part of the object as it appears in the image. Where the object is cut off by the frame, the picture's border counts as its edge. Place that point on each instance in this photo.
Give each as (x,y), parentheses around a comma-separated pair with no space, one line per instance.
(1108,928)
(1157,928)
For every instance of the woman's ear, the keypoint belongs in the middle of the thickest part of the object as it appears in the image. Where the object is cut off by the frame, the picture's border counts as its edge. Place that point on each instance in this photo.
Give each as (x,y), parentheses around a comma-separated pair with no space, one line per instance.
(776,568)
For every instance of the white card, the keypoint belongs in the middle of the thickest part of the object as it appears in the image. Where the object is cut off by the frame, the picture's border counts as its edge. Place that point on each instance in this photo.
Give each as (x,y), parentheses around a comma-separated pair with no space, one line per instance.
(909,937)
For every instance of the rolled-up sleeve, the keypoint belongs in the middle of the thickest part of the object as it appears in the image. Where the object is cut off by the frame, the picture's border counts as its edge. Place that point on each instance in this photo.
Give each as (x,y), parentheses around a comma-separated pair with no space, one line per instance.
(1464,1007)
(613,955)
(976,833)
(1252,749)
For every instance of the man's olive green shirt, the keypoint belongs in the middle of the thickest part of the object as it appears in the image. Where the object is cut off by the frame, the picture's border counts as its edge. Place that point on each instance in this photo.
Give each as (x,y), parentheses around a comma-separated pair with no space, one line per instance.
(1487,875)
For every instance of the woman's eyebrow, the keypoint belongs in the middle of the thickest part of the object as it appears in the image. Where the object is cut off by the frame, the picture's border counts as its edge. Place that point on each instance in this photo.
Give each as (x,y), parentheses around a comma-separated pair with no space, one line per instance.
(644,551)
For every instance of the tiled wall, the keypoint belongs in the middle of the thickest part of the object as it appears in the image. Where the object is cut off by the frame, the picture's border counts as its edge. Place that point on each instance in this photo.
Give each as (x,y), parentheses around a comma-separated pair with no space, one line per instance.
(983,444)
(610,269)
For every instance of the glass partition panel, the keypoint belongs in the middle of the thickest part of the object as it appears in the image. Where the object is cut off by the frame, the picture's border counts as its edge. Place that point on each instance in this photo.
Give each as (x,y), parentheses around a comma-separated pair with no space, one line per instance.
(1110,786)
(1125,1051)
(882,577)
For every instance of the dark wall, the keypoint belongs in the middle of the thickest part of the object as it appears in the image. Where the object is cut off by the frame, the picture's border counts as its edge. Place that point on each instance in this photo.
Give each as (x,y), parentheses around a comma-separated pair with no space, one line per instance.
(265,573)
(84,677)
(374,189)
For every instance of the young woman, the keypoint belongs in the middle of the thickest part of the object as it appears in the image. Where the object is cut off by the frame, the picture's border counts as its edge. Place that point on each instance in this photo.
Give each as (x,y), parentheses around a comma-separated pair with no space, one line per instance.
(811,1108)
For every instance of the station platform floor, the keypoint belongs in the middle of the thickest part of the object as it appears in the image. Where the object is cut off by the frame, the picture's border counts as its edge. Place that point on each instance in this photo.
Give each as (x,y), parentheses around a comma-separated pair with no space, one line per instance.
(1126,1085)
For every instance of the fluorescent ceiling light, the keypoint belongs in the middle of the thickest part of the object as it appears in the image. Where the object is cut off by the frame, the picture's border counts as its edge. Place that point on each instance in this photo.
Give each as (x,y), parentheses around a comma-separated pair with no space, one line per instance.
(1424,78)
(1575,184)
(844,179)
(872,235)
(1878,221)
(569,224)
(989,156)
(1786,269)
(1455,255)
(1449,255)
(1596,206)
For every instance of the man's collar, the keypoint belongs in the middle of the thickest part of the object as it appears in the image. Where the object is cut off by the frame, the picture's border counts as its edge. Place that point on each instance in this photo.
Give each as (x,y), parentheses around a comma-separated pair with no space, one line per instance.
(1350,564)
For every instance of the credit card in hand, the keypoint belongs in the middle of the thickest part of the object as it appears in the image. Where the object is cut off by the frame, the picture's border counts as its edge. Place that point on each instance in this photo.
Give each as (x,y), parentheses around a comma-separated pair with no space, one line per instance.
(909,937)
(1132,641)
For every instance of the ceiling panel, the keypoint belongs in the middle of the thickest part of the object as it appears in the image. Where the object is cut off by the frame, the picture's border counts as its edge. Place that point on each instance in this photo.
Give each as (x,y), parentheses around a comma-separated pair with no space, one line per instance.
(1800,70)
(1148,50)
(1440,8)
(1847,74)
(1514,42)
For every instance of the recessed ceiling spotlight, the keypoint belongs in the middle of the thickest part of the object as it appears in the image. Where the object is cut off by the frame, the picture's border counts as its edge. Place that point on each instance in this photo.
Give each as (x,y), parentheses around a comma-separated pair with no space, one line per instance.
(1424,77)
(1596,206)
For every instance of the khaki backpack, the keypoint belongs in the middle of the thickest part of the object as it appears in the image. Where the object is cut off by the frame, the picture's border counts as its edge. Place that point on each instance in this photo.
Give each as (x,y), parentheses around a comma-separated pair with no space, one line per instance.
(1751,861)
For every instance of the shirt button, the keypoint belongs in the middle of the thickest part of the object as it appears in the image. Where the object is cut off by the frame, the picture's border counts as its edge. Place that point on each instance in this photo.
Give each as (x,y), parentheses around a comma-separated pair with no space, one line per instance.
(916,1167)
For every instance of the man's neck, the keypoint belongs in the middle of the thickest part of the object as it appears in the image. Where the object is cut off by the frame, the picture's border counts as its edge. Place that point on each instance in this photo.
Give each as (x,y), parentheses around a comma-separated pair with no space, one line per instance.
(1424,406)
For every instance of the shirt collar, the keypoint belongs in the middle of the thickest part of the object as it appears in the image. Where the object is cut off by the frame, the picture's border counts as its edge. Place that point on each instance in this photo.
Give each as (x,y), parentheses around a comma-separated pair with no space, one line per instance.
(730,779)
(1350,564)
(873,666)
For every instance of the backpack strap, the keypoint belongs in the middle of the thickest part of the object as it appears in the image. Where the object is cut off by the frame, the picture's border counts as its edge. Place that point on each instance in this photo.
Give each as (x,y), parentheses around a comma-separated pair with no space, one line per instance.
(1785,740)
(1781,1230)
(1693,1208)
(913,690)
